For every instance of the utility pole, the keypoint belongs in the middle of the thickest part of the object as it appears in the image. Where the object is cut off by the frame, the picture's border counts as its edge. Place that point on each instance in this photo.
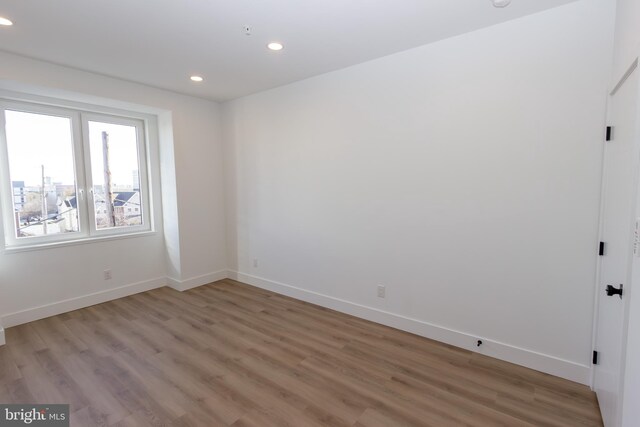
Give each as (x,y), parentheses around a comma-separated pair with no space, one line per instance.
(44,204)
(18,224)
(108,194)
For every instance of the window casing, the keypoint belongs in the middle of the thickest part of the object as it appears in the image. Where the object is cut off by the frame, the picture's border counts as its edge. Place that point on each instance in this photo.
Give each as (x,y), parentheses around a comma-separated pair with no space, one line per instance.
(103,148)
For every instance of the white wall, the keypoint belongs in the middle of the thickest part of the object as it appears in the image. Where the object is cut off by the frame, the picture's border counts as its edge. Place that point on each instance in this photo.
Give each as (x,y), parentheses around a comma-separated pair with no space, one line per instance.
(626,50)
(627,36)
(190,245)
(463,175)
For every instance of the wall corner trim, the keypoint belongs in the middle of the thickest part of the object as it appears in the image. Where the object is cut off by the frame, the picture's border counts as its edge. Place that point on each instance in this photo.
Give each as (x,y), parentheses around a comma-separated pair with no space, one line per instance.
(531,359)
(194,282)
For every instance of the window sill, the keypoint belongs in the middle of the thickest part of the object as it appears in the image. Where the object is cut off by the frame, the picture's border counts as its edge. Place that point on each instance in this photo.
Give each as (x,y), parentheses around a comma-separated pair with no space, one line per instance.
(83,241)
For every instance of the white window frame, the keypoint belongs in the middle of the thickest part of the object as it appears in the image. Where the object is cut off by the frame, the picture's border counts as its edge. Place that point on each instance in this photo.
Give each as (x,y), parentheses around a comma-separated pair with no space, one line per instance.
(79,118)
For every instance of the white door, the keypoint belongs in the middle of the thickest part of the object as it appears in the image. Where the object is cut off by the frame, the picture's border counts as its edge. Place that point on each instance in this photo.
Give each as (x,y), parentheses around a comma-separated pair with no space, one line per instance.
(618,224)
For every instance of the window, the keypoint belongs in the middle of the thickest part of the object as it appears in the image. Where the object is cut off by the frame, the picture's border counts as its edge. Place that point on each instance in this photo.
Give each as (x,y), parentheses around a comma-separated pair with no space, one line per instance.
(70,174)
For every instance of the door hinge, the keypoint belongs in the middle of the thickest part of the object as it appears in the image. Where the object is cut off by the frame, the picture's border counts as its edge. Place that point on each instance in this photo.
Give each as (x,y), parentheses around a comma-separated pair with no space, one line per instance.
(594,358)
(609,133)
(601,249)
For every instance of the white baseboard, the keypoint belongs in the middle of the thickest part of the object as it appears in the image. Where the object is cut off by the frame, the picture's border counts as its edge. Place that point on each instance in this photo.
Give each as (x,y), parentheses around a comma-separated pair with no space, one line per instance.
(31,314)
(520,356)
(194,282)
(2,340)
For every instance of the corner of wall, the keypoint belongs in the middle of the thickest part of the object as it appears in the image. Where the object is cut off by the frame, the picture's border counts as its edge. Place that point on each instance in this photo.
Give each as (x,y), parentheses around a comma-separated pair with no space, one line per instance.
(228,130)
(194,282)
(168,187)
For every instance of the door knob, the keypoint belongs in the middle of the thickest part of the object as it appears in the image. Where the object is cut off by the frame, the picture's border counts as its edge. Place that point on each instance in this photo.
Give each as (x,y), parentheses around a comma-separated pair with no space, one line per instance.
(614,291)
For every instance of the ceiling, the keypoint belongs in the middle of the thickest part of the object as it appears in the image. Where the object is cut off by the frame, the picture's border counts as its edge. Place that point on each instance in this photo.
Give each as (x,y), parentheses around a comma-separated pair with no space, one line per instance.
(163,42)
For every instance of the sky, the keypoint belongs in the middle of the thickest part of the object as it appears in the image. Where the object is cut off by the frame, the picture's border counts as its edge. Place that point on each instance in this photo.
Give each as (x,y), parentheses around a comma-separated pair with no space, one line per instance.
(35,139)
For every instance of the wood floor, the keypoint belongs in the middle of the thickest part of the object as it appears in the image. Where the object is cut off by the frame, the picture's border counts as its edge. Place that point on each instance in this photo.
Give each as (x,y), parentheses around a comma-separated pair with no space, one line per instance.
(228,354)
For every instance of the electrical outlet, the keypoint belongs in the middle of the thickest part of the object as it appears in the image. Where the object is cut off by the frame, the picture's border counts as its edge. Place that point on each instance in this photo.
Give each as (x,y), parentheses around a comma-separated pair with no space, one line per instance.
(107,274)
(381,291)
(255,263)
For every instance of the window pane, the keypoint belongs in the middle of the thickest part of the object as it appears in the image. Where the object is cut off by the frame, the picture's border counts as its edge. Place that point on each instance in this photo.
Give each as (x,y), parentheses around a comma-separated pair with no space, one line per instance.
(41,169)
(115,174)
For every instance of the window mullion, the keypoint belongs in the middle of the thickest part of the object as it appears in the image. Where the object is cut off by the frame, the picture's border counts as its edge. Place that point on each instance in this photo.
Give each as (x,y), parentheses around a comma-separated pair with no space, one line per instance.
(89,204)
(81,184)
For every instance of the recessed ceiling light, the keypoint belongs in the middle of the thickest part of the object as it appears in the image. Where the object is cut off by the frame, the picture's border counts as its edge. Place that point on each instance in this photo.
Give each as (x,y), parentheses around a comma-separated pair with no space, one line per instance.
(6,22)
(501,3)
(196,79)
(275,46)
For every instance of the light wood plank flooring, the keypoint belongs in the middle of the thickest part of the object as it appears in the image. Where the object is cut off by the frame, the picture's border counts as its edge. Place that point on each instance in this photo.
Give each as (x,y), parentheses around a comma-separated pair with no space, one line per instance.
(228,354)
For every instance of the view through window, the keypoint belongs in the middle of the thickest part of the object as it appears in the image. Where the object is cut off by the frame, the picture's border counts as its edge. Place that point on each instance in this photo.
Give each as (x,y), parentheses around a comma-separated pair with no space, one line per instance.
(40,149)
(115,175)
(72,174)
